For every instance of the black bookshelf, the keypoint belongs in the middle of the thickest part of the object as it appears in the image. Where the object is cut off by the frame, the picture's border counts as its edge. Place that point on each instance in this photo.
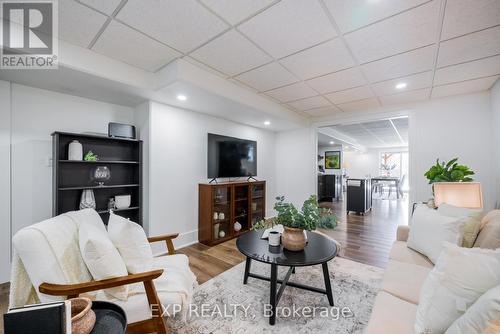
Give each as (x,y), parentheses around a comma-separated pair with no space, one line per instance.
(123,157)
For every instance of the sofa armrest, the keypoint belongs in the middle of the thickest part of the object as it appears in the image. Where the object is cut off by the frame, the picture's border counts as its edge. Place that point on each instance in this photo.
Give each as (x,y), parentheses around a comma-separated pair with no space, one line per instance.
(168,240)
(73,290)
(402,233)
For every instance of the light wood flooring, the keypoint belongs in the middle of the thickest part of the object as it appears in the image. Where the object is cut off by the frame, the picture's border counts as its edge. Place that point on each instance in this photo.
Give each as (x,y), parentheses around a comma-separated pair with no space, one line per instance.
(367,239)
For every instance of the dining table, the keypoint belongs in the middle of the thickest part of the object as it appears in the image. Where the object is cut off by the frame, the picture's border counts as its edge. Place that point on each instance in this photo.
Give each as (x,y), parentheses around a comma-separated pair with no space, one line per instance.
(389,179)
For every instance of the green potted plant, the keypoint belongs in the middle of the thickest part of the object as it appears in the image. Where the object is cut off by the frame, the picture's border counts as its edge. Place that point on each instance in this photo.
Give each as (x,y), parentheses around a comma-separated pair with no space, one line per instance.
(295,222)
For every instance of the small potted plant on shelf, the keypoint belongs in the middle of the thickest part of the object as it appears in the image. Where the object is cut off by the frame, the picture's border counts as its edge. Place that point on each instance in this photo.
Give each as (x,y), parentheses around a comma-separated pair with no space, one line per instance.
(295,222)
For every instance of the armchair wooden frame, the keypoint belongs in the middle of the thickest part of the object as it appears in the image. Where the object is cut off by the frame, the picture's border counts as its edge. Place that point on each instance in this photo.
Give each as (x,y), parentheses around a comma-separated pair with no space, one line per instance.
(157,323)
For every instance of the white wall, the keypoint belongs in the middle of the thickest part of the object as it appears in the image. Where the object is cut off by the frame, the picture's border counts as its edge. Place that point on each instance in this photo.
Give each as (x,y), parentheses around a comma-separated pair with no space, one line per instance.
(36,113)
(361,164)
(4,181)
(452,127)
(178,163)
(495,109)
(142,122)
(297,164)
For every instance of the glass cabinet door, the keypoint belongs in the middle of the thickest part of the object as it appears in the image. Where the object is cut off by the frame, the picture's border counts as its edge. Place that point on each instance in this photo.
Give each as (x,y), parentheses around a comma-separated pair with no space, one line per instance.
(221,213)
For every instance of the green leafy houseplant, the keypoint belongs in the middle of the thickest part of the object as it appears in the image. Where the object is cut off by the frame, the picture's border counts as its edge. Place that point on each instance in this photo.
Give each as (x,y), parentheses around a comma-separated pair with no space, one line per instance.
(449,172)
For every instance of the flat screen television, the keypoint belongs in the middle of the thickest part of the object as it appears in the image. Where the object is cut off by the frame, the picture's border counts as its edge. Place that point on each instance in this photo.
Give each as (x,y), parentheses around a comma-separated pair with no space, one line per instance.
(231,157)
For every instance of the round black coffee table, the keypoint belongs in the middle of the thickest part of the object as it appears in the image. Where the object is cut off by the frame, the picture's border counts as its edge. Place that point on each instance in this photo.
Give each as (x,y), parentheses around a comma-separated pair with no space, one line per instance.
(319,250)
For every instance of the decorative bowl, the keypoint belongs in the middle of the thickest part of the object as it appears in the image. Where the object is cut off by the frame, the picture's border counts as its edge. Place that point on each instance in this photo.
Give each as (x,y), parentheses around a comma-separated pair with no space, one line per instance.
(82,316)
(122,201)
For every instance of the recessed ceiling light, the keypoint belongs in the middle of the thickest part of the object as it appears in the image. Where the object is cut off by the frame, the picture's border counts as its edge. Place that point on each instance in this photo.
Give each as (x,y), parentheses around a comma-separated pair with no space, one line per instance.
(401,85)
(267,123)
(332,142)
(181,97)
(346,147)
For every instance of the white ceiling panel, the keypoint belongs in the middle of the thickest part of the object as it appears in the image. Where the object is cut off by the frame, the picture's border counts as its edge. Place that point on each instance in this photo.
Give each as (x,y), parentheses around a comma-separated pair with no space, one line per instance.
(267,77)
(325,58)
(183,25)
(105,6)
(413,82)
(289,26)
(292,92)
(235,11)
(338,81)
(465,16)
(400,33)
(78,24)
(481,44)
(406,97)
(310,103)
(365,104)
(471,70)
(354,14)
(464,87)
(415,61)
(231,53)
(349,95)
(206,67)
(323,111)
(121,42)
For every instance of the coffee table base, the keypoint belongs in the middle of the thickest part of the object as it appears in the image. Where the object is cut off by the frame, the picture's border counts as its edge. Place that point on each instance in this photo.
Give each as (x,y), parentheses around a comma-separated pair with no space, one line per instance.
(275,296)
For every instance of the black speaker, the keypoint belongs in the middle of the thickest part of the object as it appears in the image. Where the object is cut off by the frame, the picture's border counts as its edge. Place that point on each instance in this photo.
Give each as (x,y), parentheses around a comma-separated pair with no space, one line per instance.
(121,130)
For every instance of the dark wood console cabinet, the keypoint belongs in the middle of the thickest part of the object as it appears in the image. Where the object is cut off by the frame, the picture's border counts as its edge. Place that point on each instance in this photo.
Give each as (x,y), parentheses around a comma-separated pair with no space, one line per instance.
(221,205)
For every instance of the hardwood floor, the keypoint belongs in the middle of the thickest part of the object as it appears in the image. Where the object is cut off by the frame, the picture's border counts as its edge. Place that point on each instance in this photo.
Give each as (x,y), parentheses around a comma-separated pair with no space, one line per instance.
(365,239)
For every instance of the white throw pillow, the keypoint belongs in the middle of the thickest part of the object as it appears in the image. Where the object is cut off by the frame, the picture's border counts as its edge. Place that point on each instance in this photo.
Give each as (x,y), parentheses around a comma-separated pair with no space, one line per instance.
(472,221)
(132,243)
(102,258)
(429,230)
(485,310)
(460,277)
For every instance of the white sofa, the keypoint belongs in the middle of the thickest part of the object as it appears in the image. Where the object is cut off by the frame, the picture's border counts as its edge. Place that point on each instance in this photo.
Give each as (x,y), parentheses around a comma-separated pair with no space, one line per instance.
(48,252)
(396,304)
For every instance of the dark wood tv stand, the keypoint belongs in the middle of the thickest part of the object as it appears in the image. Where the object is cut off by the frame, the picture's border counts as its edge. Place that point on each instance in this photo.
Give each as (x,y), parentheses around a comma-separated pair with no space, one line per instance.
(223,204)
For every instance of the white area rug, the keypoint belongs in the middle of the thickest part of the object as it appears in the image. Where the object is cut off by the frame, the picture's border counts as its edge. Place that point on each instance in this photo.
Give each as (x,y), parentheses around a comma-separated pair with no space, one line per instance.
(354,287)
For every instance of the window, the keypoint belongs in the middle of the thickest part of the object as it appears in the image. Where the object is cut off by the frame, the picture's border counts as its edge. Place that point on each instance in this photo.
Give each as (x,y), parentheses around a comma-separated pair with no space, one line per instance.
(393,164)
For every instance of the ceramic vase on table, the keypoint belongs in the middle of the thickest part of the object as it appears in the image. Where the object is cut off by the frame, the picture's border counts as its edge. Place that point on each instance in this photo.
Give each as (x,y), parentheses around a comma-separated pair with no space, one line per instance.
(75,151)
(293,239)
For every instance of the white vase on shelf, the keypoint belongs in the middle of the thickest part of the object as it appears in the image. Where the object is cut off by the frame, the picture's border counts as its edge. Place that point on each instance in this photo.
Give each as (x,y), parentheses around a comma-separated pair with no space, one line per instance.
(237,226)
(75,151)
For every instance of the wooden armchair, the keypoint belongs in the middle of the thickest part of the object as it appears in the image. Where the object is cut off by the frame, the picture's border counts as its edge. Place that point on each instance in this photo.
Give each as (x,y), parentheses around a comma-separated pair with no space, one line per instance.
(156,323)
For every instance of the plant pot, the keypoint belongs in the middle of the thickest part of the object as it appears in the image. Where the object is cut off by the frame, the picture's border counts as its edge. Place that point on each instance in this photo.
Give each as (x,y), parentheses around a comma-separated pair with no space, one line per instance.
(293,239)
(82,316)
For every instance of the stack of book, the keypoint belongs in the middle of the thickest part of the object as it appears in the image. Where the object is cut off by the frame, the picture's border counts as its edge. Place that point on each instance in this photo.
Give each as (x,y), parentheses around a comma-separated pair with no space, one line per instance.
(51,318)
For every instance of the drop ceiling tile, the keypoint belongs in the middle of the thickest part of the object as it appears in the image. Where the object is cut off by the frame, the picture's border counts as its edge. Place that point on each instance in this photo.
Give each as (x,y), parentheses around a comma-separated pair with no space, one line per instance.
(403,64)
(323,111)
(406,97)
(481,44)
(466,71)
(400,33)
(337,81)
(235,11)
(310,103)
(366,104)
(292,92)
(107,7)
(78,24)
(183,25)
(465,16)
(231,53)
(354,14)
(413,82)
(204,67)
(121,42)
(267,77)
(349,95)
(288,27)
(464,87)
(325,58)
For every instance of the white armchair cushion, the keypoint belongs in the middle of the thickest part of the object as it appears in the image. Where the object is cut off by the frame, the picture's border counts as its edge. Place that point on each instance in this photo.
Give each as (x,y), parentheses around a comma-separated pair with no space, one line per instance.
(429,230)
(131,241)
(102,258)
(460,277)
(484,311)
